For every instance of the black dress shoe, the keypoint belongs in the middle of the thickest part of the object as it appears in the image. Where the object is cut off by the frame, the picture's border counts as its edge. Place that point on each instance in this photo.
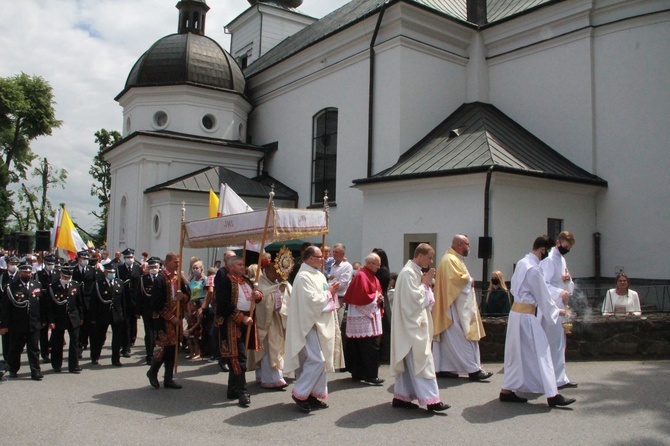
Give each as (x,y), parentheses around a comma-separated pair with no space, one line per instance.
(447,375)
(512,398)
(400,404)
(94,362)
(76,370)
(480,375)
(316,404)
(245,399)
(153,379)
(375,381)
(438,407)
(117,364)
(570,385)
(171,385)
(560,400)
(13,375)
(125,354)
(37,377)
(223,366)
(302,404)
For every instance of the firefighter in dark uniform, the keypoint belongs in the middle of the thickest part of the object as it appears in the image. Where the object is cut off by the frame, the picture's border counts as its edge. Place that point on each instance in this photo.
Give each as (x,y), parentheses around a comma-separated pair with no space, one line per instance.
(107,308)
(144,308)
(8,276)
(46,277)
(65,313)
(23,317)
(130,273)
(86,276)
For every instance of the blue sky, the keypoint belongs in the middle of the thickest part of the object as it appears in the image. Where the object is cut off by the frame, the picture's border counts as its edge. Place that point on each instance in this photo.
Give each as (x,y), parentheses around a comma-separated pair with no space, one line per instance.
(85,50)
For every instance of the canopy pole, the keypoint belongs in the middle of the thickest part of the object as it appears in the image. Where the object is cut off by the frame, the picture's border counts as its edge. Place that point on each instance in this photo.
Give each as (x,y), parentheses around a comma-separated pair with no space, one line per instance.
(323,237)
(261,251)
(178,328)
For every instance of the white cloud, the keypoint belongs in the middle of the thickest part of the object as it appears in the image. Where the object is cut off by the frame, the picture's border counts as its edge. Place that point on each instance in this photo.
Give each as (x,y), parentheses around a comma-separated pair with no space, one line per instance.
(85,50)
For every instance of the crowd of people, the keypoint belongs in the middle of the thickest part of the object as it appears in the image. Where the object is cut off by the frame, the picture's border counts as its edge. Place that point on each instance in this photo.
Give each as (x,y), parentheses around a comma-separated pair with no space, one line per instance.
(328,316)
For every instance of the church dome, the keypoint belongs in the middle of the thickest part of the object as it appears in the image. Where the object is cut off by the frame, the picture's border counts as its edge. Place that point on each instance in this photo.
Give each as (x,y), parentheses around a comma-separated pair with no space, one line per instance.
(188,57)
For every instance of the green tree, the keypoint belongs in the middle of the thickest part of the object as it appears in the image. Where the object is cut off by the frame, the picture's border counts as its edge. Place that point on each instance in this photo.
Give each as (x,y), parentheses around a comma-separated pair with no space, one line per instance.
(103,179)
(33,209)
(26,112)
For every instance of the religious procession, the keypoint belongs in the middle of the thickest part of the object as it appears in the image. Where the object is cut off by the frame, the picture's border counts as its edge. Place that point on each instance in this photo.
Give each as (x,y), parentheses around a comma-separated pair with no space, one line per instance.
(293,321)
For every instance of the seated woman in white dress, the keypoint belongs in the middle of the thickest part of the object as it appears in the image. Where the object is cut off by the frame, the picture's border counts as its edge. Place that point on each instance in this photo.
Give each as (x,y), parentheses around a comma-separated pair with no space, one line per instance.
(621,301)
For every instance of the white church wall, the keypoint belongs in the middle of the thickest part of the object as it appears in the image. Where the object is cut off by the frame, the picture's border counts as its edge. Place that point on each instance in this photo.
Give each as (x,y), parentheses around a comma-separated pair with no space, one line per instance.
(185,107)
(442,206)
(632,98)
(416,88)
(287,117)
(547,89)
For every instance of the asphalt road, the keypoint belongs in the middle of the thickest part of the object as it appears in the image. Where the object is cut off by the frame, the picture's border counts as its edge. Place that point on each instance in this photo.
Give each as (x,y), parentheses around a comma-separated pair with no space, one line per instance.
(618,403)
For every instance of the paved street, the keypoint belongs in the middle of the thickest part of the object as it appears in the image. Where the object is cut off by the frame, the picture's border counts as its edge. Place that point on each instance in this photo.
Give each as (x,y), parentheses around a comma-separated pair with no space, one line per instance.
(619,403)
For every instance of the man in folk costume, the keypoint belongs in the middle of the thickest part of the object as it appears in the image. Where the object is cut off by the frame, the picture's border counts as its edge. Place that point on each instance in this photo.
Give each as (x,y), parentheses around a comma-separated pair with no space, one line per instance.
(144,308)
(528,364)
(456,319)
(107,308)
(364,323)
(168,302)
(310,332)
(560,284)
(271,322)
(23,317)
(234,296)
(66,313)
(411,335)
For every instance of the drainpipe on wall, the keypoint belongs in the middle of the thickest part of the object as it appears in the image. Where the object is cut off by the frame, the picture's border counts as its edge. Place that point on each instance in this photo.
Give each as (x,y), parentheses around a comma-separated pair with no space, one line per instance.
(487,210)
(371,84)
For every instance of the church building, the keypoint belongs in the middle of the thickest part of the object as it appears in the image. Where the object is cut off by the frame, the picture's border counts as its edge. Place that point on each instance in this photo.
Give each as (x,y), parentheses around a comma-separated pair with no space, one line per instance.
(499,119)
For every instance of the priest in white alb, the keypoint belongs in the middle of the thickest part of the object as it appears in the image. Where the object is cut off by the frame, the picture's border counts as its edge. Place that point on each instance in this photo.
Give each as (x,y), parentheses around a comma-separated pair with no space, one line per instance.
(456,319)
(528,364)
(310,332)
(268,361)
(411,334)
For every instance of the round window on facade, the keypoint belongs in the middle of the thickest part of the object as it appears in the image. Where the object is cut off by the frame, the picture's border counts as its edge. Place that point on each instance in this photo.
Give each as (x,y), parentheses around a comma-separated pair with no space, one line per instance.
(209,122)
(160,119)
(156,223)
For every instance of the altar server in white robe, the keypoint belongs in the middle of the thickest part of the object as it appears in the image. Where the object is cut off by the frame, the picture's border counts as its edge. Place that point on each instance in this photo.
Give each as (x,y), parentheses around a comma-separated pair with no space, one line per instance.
(456,319)
(528,365)
(560,284)
(411,334)
(271,313)
(310,332)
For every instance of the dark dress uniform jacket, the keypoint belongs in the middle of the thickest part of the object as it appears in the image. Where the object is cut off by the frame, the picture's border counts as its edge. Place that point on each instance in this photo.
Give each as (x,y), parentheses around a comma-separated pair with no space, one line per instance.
(22,312)
(107,302)
(65,306)
(143,296)
(87,279)
(130,277)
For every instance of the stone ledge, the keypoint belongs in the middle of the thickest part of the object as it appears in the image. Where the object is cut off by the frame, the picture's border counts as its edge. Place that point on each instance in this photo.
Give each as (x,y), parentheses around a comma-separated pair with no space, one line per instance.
(596,337)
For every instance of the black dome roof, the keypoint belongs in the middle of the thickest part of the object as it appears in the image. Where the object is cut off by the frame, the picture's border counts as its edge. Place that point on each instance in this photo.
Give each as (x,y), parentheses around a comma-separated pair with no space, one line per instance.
(183,59)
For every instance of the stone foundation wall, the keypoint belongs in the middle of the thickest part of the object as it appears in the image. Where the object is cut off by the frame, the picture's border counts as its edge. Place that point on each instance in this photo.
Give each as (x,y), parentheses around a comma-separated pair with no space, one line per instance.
(596,337)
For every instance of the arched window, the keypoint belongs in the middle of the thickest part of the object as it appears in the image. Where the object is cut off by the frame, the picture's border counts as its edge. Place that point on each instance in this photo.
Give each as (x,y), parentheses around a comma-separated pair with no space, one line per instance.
(324,155)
